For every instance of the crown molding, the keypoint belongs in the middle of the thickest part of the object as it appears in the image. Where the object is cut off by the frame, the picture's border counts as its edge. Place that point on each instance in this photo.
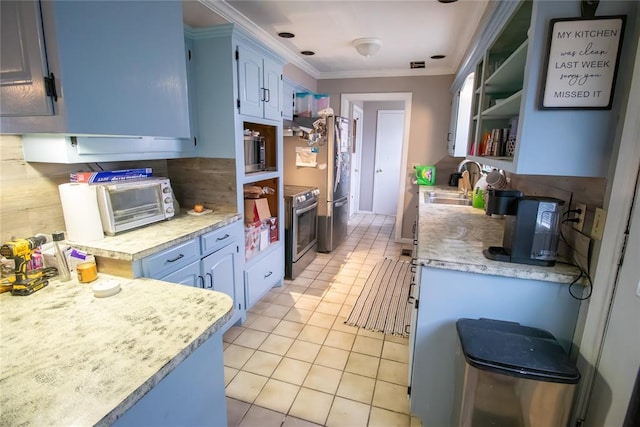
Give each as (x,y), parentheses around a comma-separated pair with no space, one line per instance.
(397,72)
(232,15)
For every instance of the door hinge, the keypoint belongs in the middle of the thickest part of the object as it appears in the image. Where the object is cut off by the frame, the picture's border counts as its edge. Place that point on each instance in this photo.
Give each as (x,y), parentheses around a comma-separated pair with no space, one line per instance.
(237,54)
(409,390)
(238,102)
(195,141)
(417,304)
(189,54)
(50,86)
(237,249)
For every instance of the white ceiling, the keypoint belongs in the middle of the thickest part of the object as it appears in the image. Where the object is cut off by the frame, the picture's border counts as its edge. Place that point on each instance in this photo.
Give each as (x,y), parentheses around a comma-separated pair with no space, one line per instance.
(410,30)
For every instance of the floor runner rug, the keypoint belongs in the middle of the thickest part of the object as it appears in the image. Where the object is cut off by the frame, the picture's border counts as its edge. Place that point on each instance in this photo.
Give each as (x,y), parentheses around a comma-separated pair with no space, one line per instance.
(382,304)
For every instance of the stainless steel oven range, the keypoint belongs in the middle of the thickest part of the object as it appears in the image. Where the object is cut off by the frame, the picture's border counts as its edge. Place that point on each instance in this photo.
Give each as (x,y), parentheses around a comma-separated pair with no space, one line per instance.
(300,228)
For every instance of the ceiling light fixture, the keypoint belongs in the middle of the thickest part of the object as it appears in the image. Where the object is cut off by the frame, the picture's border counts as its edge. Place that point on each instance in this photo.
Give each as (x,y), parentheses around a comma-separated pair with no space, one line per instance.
(308,52)
(367,46)
(286,35)
(437,57)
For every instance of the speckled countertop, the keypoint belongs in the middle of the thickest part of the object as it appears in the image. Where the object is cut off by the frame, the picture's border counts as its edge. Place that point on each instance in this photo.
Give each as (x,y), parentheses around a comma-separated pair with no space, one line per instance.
(453,238)
(136,244)
(69,358)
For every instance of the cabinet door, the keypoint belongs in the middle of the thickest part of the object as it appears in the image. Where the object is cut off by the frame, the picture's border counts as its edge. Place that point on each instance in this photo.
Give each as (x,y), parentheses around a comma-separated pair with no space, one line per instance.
(288,101)
(23,63)
(189,275)
(451,136)
(273,90)
(250,82)
(219,271)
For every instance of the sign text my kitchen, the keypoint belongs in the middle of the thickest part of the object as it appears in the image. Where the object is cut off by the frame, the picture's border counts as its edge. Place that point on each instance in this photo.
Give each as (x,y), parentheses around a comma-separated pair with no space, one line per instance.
(582,62)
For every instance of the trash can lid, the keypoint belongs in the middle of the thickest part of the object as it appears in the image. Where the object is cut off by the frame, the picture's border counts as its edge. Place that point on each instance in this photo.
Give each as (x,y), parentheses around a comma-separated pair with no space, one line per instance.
(512,349)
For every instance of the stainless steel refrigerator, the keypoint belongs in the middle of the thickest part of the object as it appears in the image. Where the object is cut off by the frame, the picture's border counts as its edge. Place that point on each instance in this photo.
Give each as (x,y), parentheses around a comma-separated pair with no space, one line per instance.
(323,162)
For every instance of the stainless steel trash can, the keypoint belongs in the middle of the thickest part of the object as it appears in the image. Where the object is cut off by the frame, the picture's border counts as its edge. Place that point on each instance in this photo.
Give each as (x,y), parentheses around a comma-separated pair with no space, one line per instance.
(513,376)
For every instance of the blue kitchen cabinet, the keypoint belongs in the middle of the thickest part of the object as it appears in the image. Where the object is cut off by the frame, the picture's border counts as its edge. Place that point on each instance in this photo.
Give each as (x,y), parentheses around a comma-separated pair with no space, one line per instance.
(508,58)
(119,69)
(444,296)
(239,87)
(211,261)
(260,84)
(23,62)
(222,265)
(189,276)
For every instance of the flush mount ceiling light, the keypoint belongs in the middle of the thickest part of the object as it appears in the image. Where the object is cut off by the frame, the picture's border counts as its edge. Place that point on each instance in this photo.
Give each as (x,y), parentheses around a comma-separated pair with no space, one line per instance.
(367,46)
(308,52)
(286,35)
(437,57)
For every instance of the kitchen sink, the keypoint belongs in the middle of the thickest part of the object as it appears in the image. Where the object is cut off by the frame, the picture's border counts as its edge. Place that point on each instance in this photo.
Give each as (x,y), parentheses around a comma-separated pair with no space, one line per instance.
(447,198)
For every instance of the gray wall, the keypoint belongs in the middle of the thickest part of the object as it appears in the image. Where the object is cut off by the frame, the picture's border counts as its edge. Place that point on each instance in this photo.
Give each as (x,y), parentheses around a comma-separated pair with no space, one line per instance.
(431,109)
(367,163)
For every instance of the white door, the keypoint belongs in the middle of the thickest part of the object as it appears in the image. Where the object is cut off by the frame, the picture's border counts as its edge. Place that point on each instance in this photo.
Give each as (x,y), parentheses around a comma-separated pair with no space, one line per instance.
(386,179)
(354,203)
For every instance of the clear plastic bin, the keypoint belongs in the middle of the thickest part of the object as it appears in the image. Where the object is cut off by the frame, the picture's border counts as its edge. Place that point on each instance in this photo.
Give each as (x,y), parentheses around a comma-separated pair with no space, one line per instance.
(304,104)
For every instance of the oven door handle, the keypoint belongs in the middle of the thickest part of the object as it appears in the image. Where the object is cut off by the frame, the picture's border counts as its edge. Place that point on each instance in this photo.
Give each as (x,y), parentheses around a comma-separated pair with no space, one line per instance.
(307,209)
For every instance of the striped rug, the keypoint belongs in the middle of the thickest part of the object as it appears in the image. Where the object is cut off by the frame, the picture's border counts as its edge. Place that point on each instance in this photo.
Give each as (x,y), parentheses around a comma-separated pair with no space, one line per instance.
(382,304)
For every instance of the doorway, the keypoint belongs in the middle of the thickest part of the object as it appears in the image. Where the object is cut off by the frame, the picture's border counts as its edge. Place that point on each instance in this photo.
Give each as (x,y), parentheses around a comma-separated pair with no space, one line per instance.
(357,116)
(389,129)
(347,100)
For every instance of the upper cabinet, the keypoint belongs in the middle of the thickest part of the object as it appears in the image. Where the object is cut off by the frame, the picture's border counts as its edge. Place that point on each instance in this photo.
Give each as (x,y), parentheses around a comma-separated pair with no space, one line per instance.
(508,129)
(288,99)
(94,68)
(23,63)
(458,136)
(260,83)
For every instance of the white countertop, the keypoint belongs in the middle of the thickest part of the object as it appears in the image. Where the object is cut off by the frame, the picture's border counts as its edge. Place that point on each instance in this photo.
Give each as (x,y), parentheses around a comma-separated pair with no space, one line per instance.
(453,237)
(69,358)
(136,244)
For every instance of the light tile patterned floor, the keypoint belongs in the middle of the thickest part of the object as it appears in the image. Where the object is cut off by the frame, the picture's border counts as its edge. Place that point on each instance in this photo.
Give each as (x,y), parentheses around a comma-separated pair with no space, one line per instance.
(294,363)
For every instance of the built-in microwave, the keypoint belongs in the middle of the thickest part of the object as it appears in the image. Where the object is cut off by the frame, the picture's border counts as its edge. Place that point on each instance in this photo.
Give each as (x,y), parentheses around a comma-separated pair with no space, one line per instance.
(129,204)
(254,153)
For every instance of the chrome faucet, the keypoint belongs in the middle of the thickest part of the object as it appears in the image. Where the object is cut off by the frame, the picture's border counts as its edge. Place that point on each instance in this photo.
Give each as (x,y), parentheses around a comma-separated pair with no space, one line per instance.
(473,177)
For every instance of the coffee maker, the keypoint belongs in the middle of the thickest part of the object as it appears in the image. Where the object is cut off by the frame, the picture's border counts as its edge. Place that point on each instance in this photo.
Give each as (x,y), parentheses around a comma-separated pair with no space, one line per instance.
(531,228)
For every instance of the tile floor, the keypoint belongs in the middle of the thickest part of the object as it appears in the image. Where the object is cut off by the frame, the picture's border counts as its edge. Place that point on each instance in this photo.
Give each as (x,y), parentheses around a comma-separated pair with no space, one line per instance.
(294,363)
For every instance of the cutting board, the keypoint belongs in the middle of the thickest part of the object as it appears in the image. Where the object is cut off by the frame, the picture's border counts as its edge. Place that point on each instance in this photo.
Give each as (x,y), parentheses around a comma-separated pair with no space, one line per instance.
(464,184)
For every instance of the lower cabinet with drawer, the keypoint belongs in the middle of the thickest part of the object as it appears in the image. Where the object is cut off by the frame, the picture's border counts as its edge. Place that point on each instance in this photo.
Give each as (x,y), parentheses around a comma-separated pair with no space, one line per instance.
(211,261)
(264,273)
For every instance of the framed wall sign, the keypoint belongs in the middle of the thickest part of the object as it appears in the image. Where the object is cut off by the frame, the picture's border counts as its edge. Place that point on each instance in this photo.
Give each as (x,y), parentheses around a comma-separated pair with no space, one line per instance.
(582,62)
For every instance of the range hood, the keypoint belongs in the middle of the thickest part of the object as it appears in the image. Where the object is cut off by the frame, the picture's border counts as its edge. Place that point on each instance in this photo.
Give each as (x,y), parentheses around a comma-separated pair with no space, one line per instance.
(56,148)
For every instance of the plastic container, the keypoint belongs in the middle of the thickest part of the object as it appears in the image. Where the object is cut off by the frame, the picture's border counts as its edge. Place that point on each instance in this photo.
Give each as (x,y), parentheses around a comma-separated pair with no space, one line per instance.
(479,193)
(304,104)
(426,175)
(512,373)
(321,101)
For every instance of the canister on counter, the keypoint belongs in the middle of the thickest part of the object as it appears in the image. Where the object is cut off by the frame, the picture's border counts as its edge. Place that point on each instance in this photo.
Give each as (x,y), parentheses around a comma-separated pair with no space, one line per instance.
(87,272)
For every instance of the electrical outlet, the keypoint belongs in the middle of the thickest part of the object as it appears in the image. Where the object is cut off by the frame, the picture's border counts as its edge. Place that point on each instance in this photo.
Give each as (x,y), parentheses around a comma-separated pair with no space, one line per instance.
(580,216)
(598,224)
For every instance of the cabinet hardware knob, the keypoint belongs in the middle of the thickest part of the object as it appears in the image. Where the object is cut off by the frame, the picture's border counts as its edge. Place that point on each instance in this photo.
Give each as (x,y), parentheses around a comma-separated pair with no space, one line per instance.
(222,238)
(200,278)
(176,258)
(268,274)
